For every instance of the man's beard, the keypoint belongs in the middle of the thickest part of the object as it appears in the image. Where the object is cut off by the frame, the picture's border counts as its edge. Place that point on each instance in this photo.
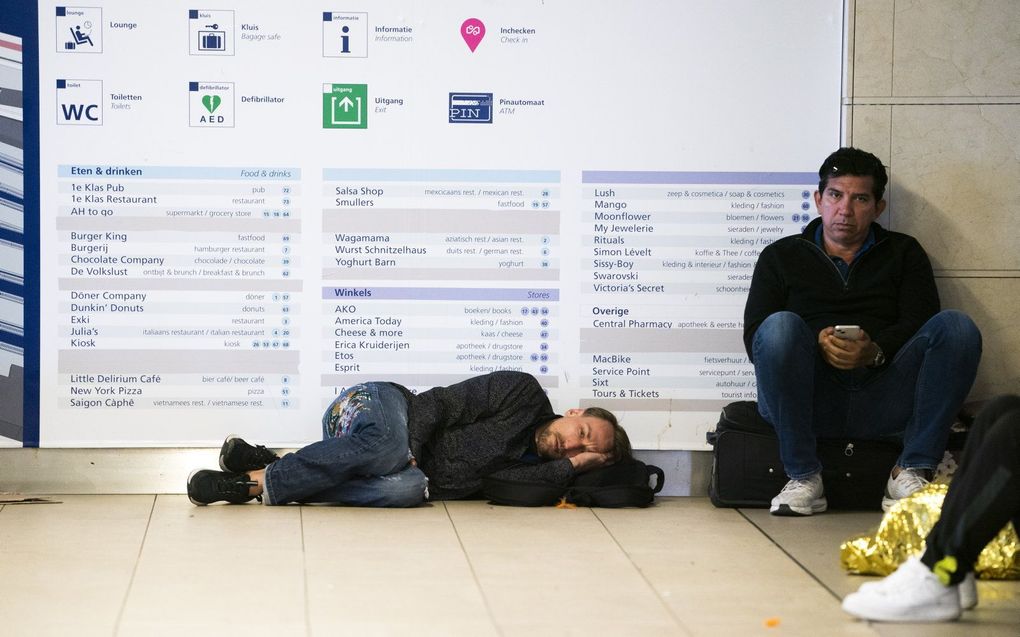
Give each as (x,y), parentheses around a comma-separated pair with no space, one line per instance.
(546,443)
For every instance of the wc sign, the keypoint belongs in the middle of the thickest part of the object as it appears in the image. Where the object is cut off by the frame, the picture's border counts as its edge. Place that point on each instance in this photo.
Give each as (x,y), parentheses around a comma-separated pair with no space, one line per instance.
(211,104)
(80,102)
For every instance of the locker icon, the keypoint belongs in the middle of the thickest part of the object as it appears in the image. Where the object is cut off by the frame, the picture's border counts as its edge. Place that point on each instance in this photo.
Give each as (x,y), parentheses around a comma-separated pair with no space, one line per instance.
(212,40)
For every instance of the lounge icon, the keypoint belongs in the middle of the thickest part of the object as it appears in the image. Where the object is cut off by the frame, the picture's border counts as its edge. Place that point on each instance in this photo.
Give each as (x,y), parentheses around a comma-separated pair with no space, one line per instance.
(79,37)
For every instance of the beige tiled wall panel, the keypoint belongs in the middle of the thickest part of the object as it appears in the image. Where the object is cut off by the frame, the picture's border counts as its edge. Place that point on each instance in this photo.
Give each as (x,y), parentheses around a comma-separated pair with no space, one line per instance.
(871,129)
(991,302)
(953,162)
(955,184)
(951,48)
(873,48)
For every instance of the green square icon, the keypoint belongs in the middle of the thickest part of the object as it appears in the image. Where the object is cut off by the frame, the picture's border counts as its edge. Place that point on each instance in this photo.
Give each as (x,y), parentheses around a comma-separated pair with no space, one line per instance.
(345,105)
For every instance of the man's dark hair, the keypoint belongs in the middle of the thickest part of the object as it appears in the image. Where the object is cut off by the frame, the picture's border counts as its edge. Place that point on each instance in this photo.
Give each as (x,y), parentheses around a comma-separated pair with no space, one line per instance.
(621,442)
(856,162)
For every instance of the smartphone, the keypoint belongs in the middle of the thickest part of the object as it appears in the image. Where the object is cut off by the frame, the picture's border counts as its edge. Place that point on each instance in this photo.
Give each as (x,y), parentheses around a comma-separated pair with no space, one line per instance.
(848,332)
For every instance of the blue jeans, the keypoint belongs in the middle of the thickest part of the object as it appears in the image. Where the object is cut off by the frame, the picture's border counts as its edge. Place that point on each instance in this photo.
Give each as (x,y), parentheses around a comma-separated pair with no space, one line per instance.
(363,458)
(914,398)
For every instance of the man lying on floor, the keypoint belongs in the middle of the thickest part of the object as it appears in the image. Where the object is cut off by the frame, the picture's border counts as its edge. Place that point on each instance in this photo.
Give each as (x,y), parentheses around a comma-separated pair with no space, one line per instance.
(383,446)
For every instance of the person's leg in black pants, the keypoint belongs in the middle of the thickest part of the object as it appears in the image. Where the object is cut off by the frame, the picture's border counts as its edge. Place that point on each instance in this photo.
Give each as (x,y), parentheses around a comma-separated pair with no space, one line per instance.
(983,496)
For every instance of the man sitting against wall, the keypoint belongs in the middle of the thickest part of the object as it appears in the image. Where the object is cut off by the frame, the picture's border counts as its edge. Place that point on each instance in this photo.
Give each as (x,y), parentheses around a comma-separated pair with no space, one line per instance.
(383,446)
(901,367)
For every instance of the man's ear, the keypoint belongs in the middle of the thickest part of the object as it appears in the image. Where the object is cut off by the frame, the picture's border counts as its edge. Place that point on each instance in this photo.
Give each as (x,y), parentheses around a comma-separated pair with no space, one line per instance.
(576,411)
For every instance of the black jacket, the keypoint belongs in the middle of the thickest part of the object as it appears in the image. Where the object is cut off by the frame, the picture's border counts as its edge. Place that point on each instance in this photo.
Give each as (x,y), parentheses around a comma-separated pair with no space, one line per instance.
(478,427)
(890,291)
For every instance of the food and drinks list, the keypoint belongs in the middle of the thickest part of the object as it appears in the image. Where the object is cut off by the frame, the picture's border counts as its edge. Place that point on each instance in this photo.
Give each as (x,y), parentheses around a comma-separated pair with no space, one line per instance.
(231,261)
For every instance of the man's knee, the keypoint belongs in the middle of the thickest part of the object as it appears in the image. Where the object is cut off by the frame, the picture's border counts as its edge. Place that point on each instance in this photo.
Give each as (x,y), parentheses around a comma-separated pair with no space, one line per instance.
(408,488)
(958,329)
(781,333)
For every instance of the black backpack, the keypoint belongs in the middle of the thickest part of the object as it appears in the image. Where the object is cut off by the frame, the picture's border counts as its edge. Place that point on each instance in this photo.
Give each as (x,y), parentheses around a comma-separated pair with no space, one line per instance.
(623,484)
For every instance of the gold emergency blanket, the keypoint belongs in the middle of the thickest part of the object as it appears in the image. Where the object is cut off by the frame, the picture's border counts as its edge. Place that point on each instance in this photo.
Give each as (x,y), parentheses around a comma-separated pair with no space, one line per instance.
(901,535)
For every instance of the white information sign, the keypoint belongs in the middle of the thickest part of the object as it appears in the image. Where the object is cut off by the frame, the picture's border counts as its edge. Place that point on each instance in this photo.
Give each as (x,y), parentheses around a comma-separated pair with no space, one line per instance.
(247,207)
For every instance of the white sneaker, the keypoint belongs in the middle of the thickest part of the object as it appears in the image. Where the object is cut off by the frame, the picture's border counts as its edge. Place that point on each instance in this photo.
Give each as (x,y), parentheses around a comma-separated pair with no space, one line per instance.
(967,588)
(800,497)
(911,594)
(907,482)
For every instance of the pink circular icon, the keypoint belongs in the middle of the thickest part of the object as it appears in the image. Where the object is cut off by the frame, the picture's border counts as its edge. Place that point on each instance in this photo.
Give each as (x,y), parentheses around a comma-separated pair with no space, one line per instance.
(473,30)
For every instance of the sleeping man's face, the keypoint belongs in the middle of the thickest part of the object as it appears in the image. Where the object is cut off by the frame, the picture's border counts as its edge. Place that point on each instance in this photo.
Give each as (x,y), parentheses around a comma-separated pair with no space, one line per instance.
(572,434)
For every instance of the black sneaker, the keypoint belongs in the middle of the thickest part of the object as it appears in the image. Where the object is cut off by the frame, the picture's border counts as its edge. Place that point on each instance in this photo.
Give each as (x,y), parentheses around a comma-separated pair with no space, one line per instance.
(206,486)
(237,456)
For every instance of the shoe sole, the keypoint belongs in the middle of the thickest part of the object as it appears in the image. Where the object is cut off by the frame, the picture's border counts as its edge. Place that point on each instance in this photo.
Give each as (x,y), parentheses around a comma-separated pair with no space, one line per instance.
(967,589)
(223,451)
(799,512)
(865,611)
(193,500)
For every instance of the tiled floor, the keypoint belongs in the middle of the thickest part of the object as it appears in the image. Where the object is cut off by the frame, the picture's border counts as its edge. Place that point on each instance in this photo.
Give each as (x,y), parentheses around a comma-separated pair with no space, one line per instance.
(156,565)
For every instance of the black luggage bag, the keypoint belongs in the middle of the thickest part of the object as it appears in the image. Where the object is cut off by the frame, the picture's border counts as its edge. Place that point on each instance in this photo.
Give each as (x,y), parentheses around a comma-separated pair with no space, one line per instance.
(747,472)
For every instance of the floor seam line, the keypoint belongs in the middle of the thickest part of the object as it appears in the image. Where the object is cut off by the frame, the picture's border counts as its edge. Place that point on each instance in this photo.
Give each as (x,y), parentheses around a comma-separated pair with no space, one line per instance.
(304,571)
(804,568)
(644,578)
(134,569)
(474,574)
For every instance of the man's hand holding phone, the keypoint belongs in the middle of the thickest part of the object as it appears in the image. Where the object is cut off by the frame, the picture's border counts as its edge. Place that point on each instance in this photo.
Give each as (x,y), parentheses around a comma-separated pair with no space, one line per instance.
(846,346)
(848,332)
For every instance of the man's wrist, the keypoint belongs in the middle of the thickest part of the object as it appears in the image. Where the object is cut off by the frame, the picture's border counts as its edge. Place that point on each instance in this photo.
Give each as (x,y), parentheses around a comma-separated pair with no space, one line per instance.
(879,358)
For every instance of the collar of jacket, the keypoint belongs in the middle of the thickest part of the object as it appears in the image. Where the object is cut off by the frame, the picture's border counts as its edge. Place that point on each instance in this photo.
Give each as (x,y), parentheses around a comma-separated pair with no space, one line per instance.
(809,231)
